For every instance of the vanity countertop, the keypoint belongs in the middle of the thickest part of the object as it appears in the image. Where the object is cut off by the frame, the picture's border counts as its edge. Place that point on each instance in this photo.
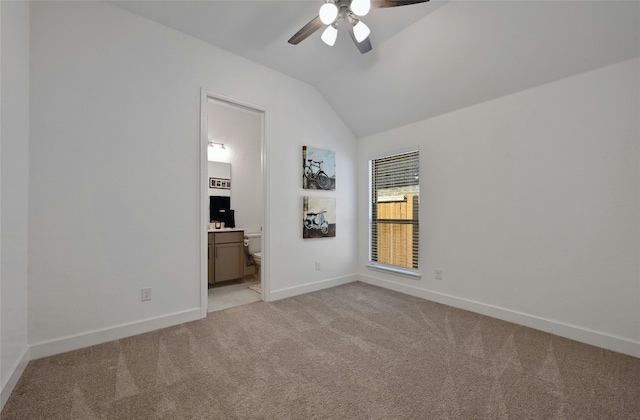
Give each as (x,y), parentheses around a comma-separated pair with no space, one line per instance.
(225,230)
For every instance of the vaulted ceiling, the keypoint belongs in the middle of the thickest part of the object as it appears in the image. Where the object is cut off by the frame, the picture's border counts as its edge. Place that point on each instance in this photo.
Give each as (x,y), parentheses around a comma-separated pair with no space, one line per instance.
(427,59)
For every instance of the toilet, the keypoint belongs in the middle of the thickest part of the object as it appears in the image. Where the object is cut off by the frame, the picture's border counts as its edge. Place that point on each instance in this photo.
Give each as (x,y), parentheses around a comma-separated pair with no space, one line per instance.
(252,242)
(257,259)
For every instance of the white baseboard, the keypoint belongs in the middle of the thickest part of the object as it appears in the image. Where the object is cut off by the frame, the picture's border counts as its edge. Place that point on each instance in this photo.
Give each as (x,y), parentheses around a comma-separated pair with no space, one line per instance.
(573,332)
(309,287)
(91,338)
(17,372)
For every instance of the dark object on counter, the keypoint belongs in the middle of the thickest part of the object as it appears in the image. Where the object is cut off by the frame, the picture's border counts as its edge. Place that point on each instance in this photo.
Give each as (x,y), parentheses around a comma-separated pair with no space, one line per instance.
(229,219)
(220,211)
(218,205)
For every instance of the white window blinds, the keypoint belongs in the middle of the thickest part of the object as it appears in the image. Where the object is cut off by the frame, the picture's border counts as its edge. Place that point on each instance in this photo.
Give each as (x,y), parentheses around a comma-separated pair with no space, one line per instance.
(395,199)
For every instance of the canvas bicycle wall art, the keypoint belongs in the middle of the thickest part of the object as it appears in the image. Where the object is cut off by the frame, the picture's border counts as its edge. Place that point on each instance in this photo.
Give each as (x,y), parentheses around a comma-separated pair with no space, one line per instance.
(318,169)
(318,217)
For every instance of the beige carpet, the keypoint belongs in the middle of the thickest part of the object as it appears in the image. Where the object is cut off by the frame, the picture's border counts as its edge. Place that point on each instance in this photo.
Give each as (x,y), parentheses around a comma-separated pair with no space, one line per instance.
(350,352)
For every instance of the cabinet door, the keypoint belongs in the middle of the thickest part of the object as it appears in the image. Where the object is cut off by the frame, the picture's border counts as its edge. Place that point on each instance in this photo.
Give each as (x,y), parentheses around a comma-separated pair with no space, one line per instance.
(228,261)
(211,264)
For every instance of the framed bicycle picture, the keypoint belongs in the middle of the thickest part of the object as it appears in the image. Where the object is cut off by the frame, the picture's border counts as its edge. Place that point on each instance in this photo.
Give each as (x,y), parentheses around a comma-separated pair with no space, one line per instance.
(318,169)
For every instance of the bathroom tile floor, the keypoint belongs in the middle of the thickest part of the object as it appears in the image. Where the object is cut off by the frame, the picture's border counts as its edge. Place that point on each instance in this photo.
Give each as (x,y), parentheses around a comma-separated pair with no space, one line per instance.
(225,297)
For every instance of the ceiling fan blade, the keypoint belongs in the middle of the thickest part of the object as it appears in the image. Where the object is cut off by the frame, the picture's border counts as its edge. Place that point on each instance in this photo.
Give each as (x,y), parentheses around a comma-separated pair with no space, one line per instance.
(364,46)
(377,4)
(306,30)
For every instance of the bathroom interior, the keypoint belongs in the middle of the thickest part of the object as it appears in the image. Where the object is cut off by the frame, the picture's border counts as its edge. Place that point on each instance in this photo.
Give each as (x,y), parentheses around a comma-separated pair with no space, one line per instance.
(235,208)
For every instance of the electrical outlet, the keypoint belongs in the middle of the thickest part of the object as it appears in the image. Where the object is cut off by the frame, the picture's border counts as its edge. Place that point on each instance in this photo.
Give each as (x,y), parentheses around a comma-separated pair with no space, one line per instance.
(317,265)
(438,274)
(146,293)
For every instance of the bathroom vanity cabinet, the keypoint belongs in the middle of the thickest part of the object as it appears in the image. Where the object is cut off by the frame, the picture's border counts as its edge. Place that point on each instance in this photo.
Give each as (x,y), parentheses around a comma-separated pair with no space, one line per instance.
(226,255)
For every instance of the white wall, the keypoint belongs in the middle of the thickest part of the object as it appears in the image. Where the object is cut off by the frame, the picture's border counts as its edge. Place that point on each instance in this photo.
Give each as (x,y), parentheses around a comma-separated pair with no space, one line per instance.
(14,149)
(115,102)
(530,206)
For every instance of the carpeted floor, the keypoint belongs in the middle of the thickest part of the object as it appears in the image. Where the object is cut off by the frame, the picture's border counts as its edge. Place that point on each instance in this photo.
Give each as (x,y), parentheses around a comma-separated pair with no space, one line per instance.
(350,352)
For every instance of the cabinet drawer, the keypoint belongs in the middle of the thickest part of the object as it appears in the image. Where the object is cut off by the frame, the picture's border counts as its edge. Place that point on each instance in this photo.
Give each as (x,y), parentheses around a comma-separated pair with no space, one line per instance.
(228,237)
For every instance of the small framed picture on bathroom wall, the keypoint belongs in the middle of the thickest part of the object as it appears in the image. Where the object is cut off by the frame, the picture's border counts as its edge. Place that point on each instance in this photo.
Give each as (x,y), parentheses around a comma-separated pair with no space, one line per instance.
(318,217)
(224,184)
(318,169)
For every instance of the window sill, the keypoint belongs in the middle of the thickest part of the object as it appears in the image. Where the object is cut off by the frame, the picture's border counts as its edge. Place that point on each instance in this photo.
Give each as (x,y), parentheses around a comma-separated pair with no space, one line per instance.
(409,272)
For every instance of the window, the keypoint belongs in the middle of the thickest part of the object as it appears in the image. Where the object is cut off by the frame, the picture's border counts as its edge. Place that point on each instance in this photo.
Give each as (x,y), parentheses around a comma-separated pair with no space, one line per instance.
(394,209)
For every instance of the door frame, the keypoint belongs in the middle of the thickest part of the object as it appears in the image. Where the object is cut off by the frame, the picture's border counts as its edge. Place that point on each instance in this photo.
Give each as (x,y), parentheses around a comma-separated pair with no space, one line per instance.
(205,95)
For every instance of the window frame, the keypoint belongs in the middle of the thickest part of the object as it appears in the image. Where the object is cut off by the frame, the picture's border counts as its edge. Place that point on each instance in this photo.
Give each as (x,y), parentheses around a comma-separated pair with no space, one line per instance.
(374,265)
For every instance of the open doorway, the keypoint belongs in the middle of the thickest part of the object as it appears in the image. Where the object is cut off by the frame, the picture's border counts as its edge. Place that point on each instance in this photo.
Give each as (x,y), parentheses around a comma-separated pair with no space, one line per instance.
(234,258)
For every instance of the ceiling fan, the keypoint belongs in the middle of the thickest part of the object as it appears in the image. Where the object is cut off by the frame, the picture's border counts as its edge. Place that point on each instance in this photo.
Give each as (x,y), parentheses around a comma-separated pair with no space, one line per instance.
(349,12)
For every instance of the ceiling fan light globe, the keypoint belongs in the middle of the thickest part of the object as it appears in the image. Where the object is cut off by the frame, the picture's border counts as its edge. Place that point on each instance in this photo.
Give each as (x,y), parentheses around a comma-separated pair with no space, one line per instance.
(329,35)
(361,31)
(360,7)
(328,13)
